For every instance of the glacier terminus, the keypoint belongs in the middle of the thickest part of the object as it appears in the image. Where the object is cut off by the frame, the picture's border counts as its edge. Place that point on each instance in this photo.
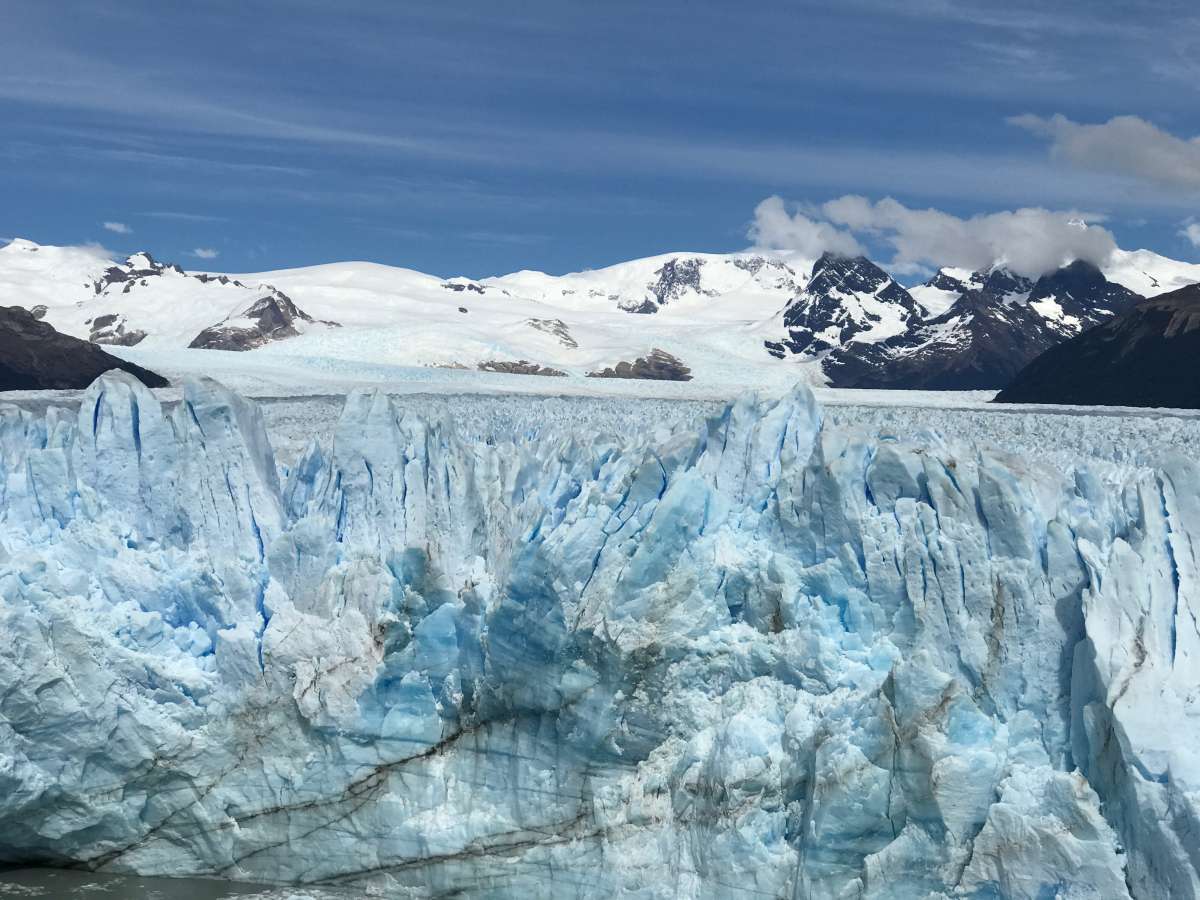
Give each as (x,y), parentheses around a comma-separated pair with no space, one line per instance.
(762,657)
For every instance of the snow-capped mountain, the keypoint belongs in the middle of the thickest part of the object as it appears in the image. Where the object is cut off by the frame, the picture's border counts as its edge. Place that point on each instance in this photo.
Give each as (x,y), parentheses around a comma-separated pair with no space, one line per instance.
(1148,356)
(747,319)
(999,322)
(143,302)
(677,281)
(708,314)
(1149,274)
(847,300)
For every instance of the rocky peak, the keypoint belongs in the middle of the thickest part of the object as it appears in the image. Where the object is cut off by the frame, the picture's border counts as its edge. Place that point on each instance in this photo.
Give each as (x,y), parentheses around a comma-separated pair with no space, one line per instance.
(1077,281)
(136,268)
(673,279)
(848,274)
(848,298)
(1080,296)
(950,280)
(273,316)
(1000,283)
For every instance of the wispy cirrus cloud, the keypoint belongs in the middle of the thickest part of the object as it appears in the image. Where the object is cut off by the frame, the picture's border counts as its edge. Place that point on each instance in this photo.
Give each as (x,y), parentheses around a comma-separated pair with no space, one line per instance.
(174,216)
(205,253)
(117,227)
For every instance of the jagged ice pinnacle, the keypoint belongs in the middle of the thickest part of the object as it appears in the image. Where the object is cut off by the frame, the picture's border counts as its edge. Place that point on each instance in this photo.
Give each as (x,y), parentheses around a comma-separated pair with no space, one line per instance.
(764,659)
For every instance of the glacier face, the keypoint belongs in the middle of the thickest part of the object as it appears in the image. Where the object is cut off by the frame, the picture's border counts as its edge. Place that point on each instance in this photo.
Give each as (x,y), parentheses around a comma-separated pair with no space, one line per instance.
(760,658)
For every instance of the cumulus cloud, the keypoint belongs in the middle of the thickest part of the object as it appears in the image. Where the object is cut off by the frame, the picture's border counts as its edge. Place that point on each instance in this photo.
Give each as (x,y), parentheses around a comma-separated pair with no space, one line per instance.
(1124,145)
(205,253)
(1029,241)
(117,228)
(775,228)
(1192,233)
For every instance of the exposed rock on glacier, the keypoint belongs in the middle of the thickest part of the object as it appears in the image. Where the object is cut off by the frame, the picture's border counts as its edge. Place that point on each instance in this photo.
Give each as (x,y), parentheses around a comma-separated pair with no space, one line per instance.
(657,365)
(272,317)
(763,659)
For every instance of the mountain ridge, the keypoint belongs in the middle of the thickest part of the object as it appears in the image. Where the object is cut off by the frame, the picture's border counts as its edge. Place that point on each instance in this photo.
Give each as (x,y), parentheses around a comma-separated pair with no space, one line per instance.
(727,317)
(1147,357)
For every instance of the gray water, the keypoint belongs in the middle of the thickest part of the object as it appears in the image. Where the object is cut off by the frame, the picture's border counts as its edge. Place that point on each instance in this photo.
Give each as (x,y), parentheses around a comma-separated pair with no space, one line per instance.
(64,884)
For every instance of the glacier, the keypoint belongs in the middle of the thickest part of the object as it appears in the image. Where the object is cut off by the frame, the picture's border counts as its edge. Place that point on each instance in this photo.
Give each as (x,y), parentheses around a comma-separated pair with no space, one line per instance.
(765,656)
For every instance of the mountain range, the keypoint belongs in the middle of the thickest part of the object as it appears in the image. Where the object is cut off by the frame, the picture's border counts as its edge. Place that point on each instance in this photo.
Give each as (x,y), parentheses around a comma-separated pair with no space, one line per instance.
(1148,356)
(718,318)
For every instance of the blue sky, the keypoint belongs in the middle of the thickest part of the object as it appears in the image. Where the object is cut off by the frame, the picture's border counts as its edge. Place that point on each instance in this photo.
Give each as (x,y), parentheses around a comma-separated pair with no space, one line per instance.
(480,138)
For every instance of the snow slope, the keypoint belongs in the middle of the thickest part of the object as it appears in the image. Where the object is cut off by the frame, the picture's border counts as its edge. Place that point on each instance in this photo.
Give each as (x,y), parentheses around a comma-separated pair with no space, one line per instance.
(56,277)
(704,309)
(1149,274)
(720,315)
(763,656)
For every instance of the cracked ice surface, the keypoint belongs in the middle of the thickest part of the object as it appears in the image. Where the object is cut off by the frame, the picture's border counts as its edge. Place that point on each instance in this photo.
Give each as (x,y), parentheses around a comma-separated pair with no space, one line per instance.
(753,658)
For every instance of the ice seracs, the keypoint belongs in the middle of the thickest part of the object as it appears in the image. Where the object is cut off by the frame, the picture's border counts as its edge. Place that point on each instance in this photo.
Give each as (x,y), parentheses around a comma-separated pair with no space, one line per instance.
(766,656)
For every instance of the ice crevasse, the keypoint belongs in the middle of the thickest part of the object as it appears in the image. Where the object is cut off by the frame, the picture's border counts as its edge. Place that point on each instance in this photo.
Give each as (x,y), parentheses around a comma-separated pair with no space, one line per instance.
(758,659)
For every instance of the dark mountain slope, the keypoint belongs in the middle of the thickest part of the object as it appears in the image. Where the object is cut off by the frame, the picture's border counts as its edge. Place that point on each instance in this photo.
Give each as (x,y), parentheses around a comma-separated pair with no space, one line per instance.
(1148,356)
(34,356)
(999,324)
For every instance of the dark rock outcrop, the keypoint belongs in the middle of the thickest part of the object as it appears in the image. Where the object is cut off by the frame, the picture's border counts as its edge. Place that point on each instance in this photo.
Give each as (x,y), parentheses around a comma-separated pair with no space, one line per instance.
(110,329)
(34,356)
(136,268)
(272,317)
(674,278)
(520,367)
(556,328)
(1147,356)
(657,366)
(205,278)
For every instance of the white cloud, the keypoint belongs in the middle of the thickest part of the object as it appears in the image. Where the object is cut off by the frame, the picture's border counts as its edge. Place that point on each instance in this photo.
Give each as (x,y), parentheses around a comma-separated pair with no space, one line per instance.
(774,228)
(1124,145)
(205,253)
(96,249)
(118,228)
(1192,233)
(1029,241)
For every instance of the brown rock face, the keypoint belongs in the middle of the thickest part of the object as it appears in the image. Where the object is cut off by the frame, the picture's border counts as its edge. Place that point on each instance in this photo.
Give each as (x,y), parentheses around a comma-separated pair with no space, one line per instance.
(657,366)
(520,367)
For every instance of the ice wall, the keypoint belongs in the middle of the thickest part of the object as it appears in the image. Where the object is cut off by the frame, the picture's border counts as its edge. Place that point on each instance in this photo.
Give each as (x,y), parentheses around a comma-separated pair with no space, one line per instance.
(760,659)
